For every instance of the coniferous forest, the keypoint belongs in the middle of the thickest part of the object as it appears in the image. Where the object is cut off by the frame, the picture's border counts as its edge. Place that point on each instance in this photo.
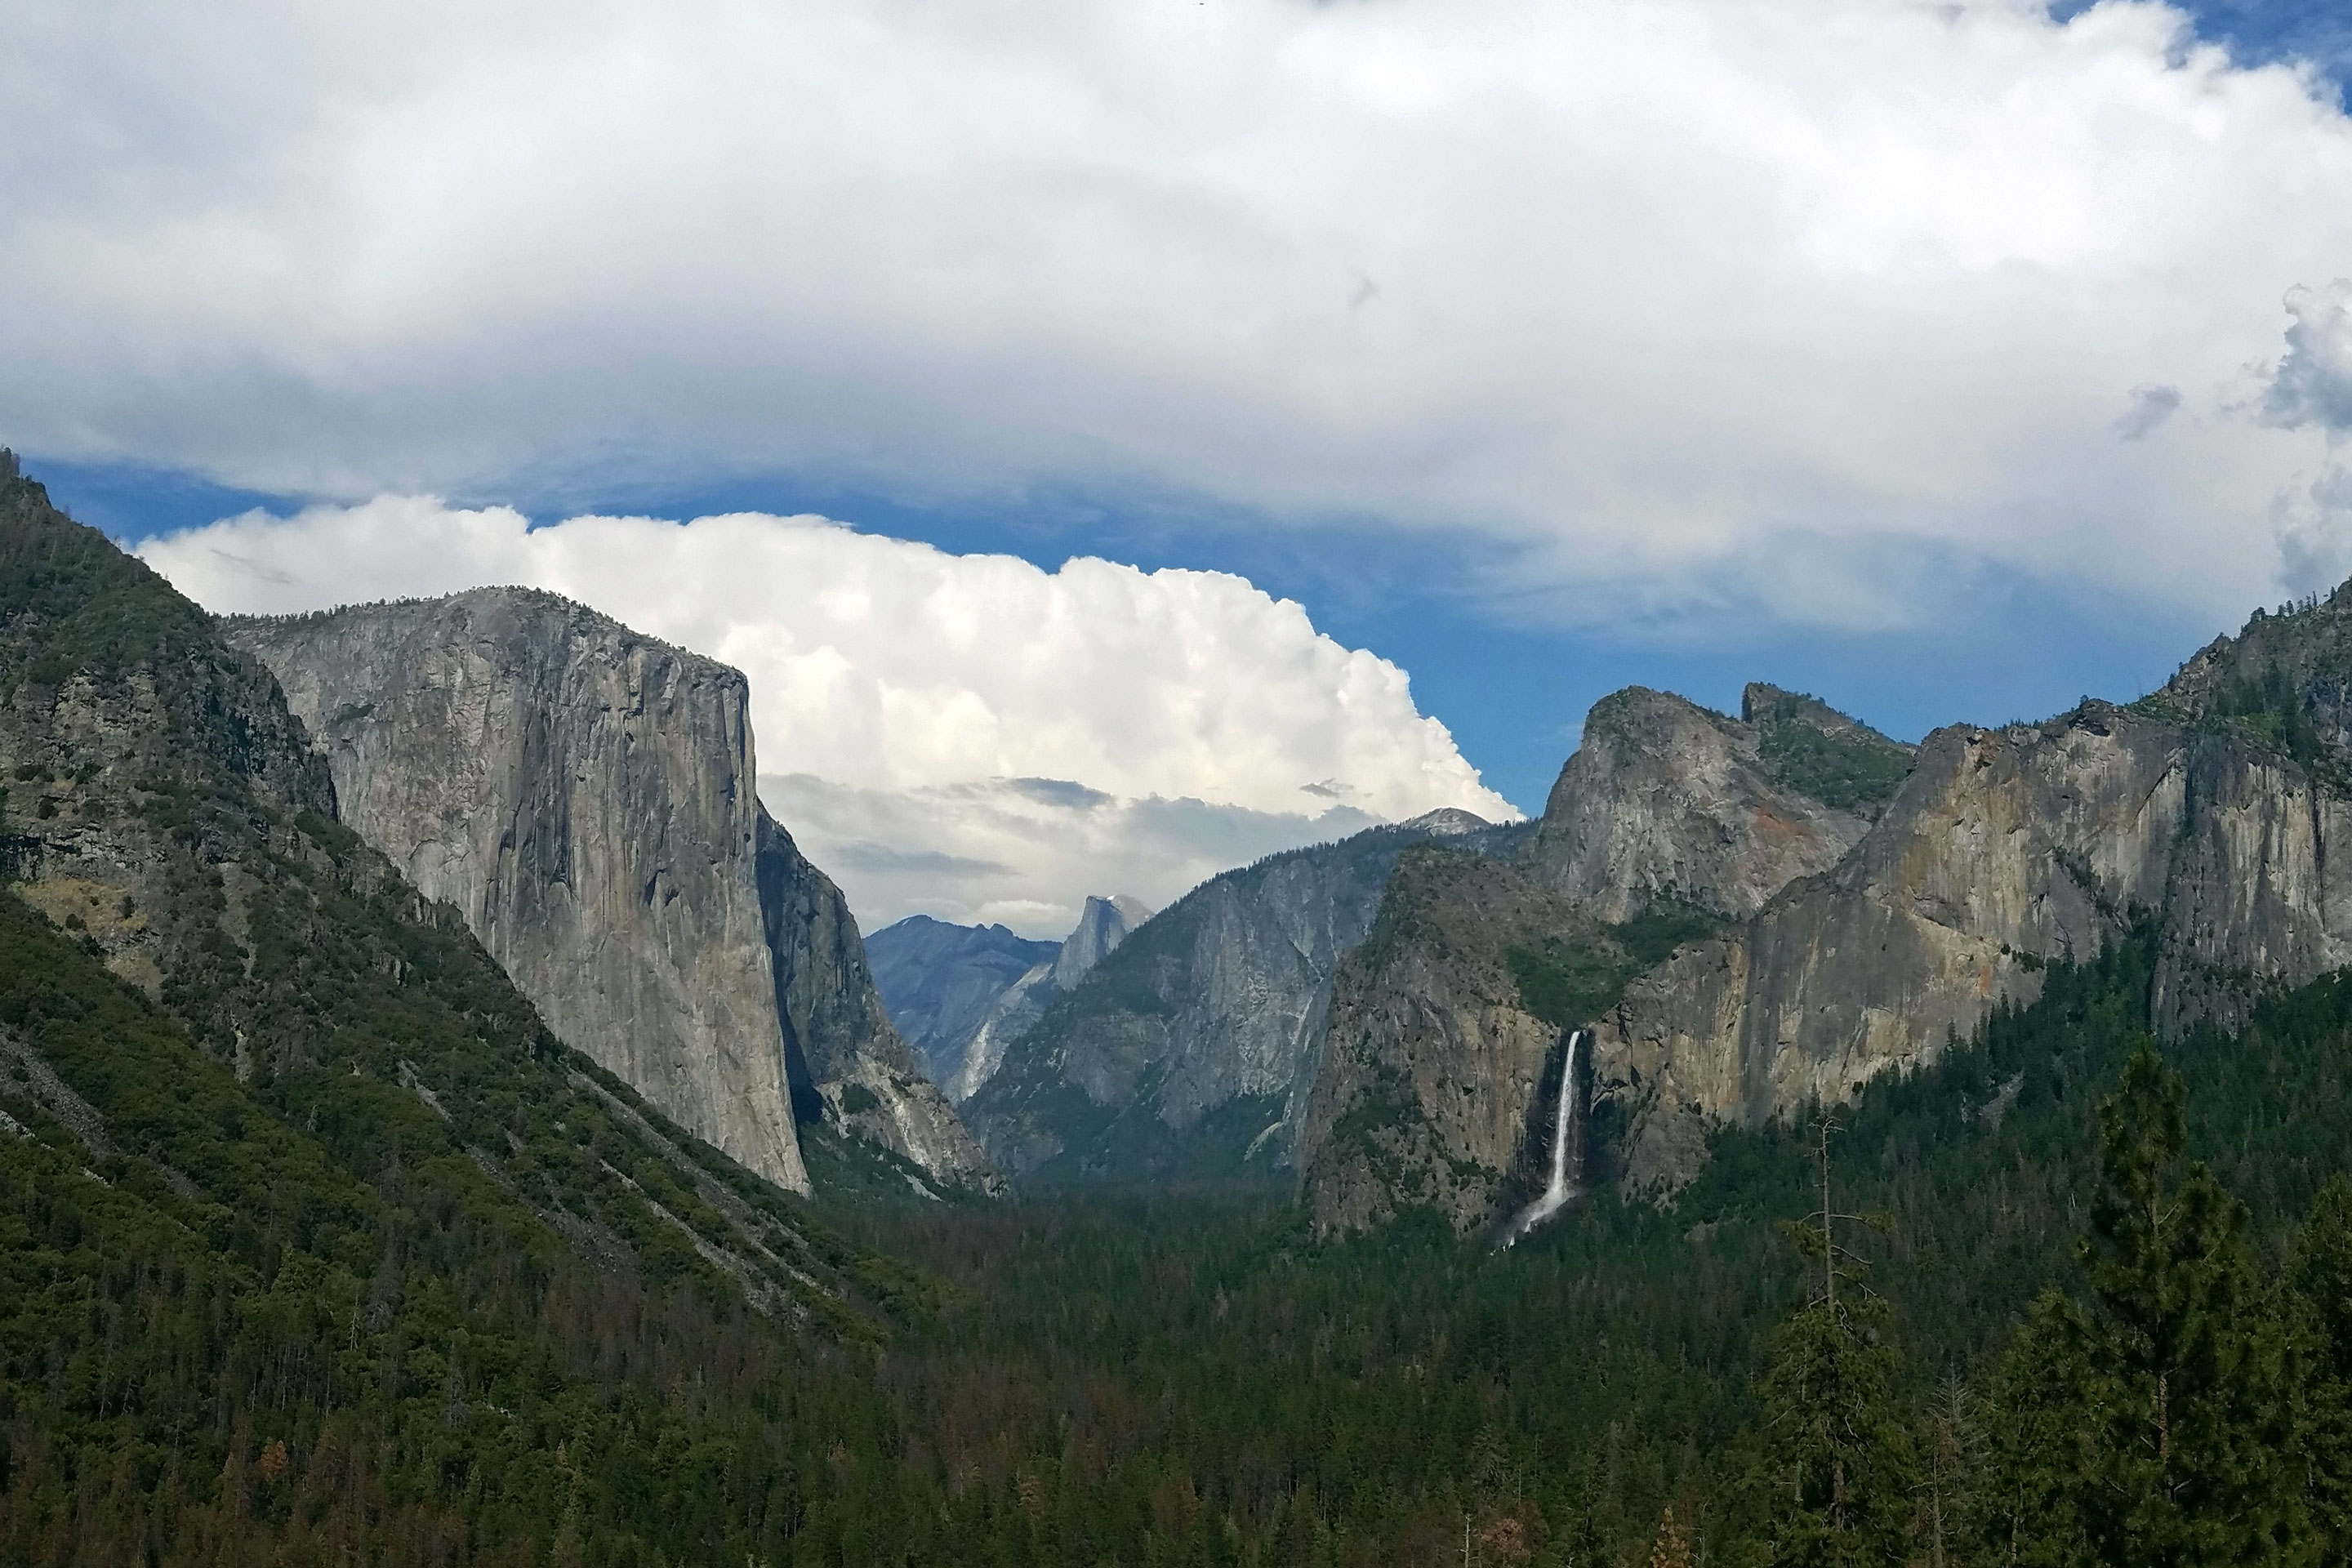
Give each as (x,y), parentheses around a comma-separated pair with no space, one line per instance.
(2090,1300)
(324,1251)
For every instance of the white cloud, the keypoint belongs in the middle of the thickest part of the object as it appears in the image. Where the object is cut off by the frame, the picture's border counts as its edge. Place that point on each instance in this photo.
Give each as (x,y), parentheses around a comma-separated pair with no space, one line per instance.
(1025,851)
(966,735)
(2313,384)
(1651,290)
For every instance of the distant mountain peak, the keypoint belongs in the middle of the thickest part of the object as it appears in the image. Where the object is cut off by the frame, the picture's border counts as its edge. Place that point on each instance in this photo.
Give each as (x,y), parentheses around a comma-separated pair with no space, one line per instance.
(1448,822)
(1102,925)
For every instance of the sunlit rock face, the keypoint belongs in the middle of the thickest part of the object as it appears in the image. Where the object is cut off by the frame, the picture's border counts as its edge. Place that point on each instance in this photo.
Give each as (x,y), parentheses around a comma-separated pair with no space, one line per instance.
(584,795)
(1664,797)
(2006,849)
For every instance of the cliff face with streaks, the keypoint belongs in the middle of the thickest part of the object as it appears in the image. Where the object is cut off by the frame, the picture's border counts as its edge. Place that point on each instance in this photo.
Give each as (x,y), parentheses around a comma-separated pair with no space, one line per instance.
(1666,797)
(2005,849)
(942,981)
(1188,1049)
(584,795)
(1432,1085)
(838,1041)
(972,991)
(1437,1075)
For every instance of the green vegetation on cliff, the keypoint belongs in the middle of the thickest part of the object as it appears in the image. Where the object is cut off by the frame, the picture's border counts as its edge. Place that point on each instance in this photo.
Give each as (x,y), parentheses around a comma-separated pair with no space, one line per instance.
(1816,751)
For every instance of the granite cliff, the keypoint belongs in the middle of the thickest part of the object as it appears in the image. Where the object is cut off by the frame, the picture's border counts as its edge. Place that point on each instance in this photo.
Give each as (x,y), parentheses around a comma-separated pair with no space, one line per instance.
(1103,924)
(1187,1051)
(1664,797)
(2007,849)
(838,1042)
(1433,1082)
(584,795)
(1439,1068)
(2214,810)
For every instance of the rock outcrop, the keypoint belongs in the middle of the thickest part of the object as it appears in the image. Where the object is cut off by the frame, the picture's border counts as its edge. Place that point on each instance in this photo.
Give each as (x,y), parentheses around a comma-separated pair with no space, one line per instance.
(1669,824)
(1432,1084)
(584,795)
(1188,1050)
(1664,797)
(1102,925)
(965,993)
(2006,849)
(838,1041)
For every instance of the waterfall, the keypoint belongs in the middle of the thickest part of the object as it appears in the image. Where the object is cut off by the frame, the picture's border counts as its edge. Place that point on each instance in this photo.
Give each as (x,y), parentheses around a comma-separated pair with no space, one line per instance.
(1556,1196)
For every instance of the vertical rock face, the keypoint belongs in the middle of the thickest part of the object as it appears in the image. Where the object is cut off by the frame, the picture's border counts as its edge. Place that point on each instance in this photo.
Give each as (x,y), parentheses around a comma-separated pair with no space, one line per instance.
(2006,848)
(1102,925)
(1669,823)
(962,994)
(1188,1049)
(838,1041)
(584,796)
(1665,797)
(1428,1095)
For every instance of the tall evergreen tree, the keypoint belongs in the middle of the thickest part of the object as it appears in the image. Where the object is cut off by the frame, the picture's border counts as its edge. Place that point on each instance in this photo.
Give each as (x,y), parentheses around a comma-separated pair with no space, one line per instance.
(2322,1281)
(1842,1466)
(2152,1425)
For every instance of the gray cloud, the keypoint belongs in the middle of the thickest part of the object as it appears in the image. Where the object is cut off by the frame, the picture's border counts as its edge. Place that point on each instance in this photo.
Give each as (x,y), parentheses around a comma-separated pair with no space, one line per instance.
(2150,406)
(864,858)
(1067,794)
(954,249)
(2313,526)
(996,850)
(2313,384)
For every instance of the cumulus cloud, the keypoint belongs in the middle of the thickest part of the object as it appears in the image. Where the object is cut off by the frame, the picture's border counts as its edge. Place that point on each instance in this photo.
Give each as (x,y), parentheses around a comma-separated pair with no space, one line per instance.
(965,735)
(1637,288)
(2313,382)
(2314,529)
(1154,847)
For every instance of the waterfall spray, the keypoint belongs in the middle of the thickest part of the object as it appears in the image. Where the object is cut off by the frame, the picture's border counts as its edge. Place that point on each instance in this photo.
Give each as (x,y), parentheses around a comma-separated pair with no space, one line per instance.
(1556,1196)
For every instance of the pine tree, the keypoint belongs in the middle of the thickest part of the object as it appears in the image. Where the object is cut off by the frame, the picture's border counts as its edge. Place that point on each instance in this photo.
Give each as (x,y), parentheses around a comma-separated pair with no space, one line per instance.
(2153,1425)
(1841,1478)
(1672,1548)
(2322,1281)
(2186,1360)
(2027,1494)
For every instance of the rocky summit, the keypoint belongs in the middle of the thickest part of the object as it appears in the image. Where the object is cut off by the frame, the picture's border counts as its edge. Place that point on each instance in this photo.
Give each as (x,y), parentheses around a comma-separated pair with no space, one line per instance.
(941,981)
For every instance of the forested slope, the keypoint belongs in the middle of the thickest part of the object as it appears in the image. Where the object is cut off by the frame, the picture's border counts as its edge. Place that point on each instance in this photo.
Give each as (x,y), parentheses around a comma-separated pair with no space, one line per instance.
(314,1239)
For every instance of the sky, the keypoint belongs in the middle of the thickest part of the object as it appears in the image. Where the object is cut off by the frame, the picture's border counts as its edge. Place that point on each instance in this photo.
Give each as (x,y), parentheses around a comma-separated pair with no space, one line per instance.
(1118,442)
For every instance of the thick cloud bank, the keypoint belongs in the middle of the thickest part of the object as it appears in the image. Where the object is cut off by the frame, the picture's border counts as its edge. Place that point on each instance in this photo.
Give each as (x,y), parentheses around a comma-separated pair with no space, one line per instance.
(1765,307)
(964,736)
